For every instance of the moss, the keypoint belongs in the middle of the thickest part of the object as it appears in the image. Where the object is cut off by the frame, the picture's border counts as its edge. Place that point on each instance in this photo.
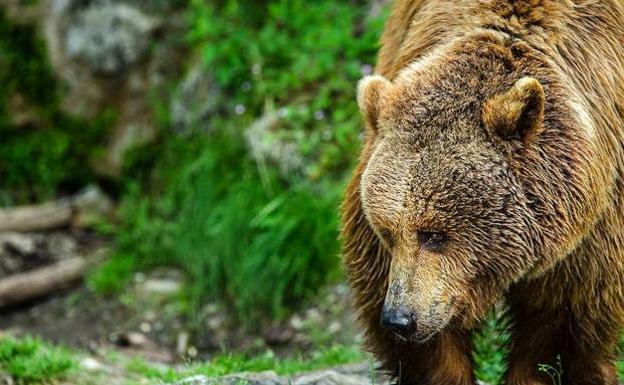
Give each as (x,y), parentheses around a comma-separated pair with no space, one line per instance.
(49,153)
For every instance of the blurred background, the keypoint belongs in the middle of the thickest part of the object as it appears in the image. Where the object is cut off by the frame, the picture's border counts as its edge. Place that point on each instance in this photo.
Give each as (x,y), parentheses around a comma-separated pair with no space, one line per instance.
(170,179)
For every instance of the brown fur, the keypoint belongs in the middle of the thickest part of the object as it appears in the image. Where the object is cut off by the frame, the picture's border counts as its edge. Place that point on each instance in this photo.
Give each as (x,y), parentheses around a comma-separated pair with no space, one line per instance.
(501,124)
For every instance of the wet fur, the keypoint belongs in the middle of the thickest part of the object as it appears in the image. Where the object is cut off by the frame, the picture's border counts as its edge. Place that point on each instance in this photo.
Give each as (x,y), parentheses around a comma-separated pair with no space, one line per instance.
(569,301)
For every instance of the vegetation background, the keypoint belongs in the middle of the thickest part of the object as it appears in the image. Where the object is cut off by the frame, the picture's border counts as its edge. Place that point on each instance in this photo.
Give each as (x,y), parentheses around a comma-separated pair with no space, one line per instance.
(224,131)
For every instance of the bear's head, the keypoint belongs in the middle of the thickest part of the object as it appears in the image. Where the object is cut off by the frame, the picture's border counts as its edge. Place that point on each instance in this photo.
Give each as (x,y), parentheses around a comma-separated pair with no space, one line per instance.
(439,188)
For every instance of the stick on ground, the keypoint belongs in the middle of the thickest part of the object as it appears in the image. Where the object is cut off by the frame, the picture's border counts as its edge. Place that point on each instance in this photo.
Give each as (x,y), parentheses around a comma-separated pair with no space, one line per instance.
(22,287)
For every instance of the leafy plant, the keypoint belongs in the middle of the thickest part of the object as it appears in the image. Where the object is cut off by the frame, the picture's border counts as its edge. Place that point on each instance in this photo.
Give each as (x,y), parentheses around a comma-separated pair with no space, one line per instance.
(490,349)
(28,360)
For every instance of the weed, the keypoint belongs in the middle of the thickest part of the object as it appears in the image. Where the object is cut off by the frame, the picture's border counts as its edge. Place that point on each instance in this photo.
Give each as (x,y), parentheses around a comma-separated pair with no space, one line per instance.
(553,372)
(225,364)
(28,360)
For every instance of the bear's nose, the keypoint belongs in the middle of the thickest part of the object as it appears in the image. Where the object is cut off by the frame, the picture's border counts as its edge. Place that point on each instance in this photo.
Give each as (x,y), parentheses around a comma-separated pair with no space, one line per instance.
(399,320)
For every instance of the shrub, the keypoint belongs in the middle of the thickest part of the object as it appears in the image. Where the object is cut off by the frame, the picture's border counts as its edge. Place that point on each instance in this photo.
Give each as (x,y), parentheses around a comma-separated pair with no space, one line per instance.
(30,361)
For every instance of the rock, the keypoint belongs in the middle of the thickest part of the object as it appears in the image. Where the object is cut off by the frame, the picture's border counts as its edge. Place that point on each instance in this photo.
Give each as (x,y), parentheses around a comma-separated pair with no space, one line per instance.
(134,339)
(109,37)
(91,207)
(92,365)
(194,101)
(279,335)
(162,286)
(104,55)
(262,378)
(18,243)
(269,145)
(376,8)
(182,342)
(330,377)
(195,380)
(6,379)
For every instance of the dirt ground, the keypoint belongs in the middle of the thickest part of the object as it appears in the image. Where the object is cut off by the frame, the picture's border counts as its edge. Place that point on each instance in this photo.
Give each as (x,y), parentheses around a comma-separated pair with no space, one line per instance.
(149,318)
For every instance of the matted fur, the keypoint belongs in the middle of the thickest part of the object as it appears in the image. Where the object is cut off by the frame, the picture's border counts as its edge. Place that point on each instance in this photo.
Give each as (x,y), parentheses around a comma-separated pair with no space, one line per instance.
(541,215)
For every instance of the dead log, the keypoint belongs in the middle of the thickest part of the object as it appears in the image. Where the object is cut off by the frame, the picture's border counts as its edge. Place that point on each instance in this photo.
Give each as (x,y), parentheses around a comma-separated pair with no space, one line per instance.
(19,288)
(79,210)
(37,217)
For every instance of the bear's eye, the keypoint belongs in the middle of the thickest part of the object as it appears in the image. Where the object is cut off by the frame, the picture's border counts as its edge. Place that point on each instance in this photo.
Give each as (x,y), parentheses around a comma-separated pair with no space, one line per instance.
(432,240)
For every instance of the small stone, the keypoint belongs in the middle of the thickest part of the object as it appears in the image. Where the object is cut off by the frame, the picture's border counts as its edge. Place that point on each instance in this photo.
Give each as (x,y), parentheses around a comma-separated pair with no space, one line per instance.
(262,378)
(215,322)
(145,327)
(92,365)
(182,342)
(367,69)
(195,380)
(195,100)
(139,277)
(239,109)
(192,352)
(6,379)
(162,286)
(313,315)
(279,335)
(109,37)
(334,327)
(296,322)
(330,377)
(132,339)
(211,308)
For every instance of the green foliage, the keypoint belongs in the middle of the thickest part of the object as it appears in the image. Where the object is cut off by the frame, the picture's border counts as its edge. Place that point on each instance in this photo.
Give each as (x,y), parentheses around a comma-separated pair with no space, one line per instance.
(256,239)
(38,160)
(490,349)
(290,57)
(30,361)
(260,246)
(236,363)
(254,242)
(112,276)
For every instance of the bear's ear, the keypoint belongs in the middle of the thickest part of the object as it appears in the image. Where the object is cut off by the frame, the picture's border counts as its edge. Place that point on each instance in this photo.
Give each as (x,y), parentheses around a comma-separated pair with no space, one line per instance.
(370,95)
(517,113)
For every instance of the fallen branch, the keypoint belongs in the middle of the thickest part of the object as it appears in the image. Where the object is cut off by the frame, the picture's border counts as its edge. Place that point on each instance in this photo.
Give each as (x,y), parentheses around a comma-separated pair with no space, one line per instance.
(77,210)
(39,217)
(22,287)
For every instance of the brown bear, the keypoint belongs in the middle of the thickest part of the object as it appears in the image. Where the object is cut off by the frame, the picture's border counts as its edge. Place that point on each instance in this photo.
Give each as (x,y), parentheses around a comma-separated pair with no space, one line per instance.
(492,169)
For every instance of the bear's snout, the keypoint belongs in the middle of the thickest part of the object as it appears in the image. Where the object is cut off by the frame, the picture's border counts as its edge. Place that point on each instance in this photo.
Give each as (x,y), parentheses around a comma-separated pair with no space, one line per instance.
(399,320)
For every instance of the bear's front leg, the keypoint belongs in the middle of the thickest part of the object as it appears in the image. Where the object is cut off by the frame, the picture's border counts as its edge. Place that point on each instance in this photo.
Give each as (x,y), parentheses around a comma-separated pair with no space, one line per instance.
(443,360)
(575,349)
(535,335)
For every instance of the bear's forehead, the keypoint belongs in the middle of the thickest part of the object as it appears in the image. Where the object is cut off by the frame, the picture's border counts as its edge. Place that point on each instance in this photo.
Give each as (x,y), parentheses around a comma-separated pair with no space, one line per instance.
(448,86)
(442,175)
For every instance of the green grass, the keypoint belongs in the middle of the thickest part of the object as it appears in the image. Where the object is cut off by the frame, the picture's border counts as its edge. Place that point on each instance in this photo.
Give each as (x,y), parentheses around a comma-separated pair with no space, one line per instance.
(28,360)
(225,364)
(113,275)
